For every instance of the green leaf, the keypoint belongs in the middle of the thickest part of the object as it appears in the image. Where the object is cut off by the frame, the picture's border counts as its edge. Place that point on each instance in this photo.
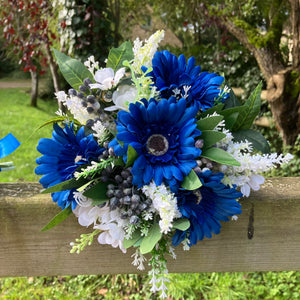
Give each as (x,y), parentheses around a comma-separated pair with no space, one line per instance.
(73,70)
(182,224)
(97,192)
(230,120)
(54,120)
(220,156)
(116,56)
(213,109)
(231,115)
(58,218)
(149,241)
(211,137)
(134,238)
(131,156)
(72,183)
(191,182)
(256,138)
(232,101)
(247,116)
(209,123)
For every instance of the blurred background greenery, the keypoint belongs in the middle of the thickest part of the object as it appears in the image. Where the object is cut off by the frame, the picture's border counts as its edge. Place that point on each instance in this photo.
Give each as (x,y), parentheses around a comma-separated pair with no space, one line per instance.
(92,27)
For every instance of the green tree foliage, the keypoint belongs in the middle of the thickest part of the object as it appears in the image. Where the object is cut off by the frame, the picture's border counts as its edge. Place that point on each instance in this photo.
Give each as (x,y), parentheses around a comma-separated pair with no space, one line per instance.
(88,27)
(270,32)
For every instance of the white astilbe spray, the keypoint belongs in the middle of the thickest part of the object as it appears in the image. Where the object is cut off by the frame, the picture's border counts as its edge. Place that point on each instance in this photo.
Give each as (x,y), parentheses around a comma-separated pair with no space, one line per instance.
(73,103)
(143,54)
(100,132)
(248,175)
(139,259)
(159,275)
(164,202)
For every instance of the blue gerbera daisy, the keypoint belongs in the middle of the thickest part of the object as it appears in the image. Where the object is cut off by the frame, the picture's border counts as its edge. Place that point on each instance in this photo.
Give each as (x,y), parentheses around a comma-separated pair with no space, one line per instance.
(174,76)
(163,135)
(62,155)
(205,208)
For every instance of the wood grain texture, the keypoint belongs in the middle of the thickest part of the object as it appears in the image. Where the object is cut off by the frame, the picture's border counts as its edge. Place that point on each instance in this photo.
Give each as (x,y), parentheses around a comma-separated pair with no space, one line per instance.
(265,237)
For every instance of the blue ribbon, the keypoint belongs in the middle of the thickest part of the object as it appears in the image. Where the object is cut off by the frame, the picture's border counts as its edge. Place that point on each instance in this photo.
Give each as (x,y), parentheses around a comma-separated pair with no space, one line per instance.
(8,145)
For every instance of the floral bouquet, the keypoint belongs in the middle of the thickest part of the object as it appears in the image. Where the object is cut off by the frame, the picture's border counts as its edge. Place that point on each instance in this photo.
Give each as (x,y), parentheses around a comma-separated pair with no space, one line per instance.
(154,153)
(8,144)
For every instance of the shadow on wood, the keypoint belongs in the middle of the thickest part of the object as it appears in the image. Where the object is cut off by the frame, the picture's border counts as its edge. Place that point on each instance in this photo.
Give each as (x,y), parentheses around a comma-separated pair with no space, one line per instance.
(266,236)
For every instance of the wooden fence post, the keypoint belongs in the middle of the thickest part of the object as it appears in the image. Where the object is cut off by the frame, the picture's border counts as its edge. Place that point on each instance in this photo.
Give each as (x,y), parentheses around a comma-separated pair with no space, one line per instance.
(266,236)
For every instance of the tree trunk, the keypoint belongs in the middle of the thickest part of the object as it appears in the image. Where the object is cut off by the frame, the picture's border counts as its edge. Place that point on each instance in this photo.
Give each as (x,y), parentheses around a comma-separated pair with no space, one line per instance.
(34,88)
(284,99)
(55,77)
(53,69)
(283,83)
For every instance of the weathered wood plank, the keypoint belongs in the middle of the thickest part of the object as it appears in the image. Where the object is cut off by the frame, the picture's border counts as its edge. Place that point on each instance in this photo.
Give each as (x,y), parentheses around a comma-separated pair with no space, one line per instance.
(275,242)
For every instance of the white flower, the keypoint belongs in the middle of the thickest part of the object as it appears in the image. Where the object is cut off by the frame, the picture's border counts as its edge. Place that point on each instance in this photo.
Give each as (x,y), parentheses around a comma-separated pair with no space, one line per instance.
(122,97)
(91,64)
(106,78)
(112,235)
(164,202)
(61,96)
(87,215)
(82,200)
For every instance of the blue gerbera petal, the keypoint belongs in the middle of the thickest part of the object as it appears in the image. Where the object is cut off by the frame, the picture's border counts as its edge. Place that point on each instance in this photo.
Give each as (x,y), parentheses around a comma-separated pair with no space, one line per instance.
(158,131)
(217,203)
(62,155)
(172,74)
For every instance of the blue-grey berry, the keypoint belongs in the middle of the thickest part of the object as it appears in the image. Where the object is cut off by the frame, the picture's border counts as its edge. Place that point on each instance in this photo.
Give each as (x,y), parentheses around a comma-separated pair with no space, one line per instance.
(126,200)
(87,82)
(134,220)
(135,198)
(72,92)
(90,110)
(114,203)
(91,99)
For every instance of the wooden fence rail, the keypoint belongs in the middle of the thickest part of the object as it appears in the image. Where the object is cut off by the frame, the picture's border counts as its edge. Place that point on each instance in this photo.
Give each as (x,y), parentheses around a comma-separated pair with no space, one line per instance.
(266,236)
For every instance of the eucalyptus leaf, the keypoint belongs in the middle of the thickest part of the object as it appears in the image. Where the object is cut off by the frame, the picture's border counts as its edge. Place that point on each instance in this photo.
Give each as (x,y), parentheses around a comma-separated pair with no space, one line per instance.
(116,56)
(97,192)
(209,123)
(134,238)
(73,70)
(191,182)
(131,156)
(152,238)
(252,105)
(256,138)
(182,224)
(220,156)
(58,218)
(211,137)
(72,183)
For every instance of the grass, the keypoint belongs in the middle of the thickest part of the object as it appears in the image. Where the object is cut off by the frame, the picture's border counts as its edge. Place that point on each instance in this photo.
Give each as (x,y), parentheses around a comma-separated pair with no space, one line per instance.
(22,120)
(19,118)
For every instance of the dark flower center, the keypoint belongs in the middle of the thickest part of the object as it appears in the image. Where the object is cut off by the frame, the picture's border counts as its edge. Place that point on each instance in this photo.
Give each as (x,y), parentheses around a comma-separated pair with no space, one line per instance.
(157,145)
